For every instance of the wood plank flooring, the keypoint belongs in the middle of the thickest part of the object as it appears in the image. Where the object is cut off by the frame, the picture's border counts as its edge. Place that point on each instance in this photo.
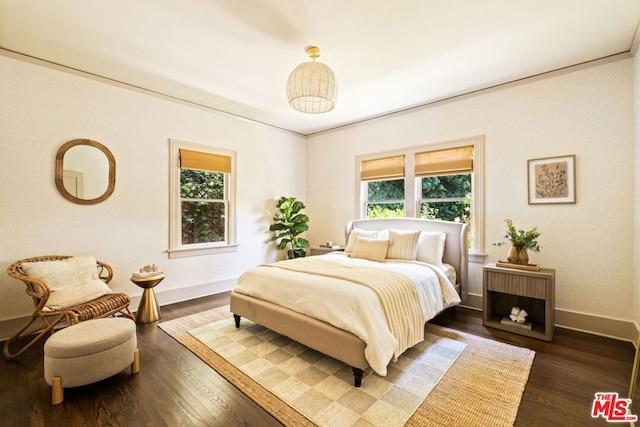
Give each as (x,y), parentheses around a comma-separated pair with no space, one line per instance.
(175,388)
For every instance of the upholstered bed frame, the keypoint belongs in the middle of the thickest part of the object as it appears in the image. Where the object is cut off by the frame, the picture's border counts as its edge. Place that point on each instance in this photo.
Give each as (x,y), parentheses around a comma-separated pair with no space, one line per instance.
(338,343)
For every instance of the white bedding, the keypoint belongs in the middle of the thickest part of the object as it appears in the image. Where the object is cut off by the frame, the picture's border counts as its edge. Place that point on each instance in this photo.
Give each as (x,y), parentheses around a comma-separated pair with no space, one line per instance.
(349,306)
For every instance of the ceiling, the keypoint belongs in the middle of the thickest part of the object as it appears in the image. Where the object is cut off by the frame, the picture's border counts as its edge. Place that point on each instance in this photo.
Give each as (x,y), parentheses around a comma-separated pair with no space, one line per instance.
(235,55)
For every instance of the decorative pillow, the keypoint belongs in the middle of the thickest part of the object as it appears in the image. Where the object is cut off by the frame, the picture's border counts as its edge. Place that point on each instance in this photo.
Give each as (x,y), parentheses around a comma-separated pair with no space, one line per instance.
(431,247)
(383,235)
(402,244)
(357,233)
(371,249)
(72,281)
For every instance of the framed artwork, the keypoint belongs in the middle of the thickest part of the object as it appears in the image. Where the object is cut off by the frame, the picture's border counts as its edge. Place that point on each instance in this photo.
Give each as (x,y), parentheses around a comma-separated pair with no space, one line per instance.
(552,180)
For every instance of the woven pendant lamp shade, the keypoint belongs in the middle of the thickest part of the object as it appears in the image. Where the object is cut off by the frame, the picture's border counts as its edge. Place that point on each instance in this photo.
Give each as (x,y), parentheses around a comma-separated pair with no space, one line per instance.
(312,86)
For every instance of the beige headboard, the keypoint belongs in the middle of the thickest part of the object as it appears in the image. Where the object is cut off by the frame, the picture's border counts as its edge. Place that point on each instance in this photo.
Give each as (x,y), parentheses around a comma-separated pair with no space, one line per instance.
(456,250)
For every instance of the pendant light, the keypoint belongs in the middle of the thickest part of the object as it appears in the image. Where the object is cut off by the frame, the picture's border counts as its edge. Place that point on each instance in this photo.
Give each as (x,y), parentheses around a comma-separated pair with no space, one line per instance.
(312,86)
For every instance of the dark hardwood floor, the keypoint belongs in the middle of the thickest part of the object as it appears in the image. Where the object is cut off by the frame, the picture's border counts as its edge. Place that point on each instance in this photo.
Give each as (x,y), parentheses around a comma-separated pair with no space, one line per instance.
(175,388)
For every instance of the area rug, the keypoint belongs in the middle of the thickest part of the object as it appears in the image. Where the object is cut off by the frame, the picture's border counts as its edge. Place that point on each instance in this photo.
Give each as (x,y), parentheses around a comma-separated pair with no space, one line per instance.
(473,381)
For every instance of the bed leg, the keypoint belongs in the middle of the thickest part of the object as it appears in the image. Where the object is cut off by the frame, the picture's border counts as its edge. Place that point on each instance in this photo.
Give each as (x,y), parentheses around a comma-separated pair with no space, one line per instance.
(357,377)
(237,319)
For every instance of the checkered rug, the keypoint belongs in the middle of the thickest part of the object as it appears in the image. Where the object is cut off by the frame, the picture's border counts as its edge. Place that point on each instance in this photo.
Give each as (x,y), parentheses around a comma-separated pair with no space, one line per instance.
(483,387)
(320,387)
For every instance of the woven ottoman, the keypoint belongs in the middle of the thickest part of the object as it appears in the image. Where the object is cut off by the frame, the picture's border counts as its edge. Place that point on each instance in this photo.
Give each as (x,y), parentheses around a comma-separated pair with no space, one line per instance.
(88,352)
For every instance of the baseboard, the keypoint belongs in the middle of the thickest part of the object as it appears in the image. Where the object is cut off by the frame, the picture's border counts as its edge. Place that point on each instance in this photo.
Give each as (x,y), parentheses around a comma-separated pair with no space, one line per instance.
(473,302)
(11,326)
(624,330)
(172,296)
(164,297)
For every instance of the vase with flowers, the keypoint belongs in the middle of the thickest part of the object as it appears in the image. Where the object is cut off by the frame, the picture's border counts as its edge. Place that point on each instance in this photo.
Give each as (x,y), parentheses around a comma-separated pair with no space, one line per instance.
(521,241)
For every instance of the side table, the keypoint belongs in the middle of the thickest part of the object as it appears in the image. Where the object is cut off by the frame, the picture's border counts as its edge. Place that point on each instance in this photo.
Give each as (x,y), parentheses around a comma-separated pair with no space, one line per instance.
(504,288)
(148,310)
(321,250)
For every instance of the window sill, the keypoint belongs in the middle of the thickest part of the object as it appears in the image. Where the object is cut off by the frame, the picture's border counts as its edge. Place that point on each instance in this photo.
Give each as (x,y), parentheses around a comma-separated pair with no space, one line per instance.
(477,257)
(209,250)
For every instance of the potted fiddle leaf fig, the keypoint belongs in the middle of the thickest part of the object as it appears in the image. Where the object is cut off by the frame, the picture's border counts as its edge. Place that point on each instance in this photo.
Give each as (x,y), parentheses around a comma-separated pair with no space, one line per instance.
(288,223)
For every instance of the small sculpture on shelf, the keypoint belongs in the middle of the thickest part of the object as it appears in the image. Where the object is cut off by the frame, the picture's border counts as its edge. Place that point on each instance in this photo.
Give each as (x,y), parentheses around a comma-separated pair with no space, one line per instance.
(148,270)
(518,318)
(518,315)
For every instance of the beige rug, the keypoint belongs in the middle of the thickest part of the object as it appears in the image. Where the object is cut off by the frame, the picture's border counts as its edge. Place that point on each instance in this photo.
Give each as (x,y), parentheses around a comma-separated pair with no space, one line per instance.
(320,387)
(483,387)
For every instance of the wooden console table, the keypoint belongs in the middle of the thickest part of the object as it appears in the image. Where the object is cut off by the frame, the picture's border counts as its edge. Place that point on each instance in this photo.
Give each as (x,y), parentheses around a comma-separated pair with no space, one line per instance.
(533,291)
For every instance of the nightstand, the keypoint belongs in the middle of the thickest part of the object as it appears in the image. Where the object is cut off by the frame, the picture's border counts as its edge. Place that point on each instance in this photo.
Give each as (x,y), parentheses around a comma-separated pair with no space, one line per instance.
(148,309)
(533,291)
(321,250)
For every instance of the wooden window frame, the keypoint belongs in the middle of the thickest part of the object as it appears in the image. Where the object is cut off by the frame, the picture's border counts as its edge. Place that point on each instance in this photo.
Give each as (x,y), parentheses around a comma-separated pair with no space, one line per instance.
(413,194)
(176,248)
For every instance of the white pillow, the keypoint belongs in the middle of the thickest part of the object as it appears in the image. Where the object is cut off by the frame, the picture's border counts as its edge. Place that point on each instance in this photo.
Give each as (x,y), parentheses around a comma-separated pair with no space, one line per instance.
(403,244)
(371,249)
(383,235)
(357,233)
(431,247)
(72,281)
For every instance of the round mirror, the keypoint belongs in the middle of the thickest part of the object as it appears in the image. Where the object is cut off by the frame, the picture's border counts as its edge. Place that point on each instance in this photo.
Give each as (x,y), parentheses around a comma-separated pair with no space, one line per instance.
(85,171)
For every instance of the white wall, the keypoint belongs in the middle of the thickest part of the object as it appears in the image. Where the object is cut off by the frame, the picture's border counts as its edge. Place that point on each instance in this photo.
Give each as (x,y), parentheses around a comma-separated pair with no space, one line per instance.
(587,112)
(42,108)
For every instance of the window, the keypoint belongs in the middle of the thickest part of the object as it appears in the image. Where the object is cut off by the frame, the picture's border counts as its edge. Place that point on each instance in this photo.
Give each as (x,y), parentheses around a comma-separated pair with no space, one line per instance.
(446,197)
(385,186)
(442,181)
(201,220)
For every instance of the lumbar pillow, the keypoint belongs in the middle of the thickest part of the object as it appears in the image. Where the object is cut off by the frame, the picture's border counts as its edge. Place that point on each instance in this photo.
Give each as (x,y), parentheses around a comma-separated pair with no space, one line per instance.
(357,233)
(402,244)
(72,281)
(371,249)
(431,247)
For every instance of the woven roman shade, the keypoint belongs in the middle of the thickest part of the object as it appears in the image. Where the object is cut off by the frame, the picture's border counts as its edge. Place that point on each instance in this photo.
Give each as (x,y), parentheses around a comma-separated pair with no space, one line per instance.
(444,162)
(205,161)
(381,169)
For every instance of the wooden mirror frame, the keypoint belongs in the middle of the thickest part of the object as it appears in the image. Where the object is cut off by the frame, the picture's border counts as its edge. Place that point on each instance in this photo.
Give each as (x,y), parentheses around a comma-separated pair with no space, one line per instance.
(60,168)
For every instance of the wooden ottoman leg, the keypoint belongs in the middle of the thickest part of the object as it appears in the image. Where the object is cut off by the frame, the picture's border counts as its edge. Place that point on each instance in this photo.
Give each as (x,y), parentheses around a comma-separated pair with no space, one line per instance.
(57,393)
(135,366)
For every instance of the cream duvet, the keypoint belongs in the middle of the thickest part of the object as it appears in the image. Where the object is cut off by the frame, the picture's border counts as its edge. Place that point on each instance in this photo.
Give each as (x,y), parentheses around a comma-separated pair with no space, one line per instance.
(384,304)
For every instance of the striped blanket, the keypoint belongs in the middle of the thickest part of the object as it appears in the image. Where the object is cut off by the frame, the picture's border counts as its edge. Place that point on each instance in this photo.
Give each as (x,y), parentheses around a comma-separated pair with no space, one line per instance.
(397,293)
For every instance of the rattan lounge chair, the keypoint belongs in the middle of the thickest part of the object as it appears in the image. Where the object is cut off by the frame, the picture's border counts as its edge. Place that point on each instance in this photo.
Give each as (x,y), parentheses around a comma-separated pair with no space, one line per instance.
(107,305)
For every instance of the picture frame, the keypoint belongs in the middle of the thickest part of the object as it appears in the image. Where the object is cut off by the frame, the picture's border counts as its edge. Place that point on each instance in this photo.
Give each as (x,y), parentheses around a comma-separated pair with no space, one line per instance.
(552,180)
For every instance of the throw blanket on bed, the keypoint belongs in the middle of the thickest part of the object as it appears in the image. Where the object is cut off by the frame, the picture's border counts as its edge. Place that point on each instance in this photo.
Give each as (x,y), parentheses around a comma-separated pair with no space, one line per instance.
(397,293)
(345,305)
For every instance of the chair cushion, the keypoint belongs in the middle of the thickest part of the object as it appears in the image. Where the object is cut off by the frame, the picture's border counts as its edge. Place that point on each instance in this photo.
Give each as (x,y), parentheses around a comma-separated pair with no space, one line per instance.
(90,337)
(72,281)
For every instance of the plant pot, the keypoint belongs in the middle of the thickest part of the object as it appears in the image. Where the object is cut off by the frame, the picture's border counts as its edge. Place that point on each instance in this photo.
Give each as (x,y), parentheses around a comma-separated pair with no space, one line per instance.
(518,255)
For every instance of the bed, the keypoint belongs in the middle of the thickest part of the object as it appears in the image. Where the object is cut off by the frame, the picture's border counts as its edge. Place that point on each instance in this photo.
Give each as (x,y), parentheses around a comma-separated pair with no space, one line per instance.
(301,298)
